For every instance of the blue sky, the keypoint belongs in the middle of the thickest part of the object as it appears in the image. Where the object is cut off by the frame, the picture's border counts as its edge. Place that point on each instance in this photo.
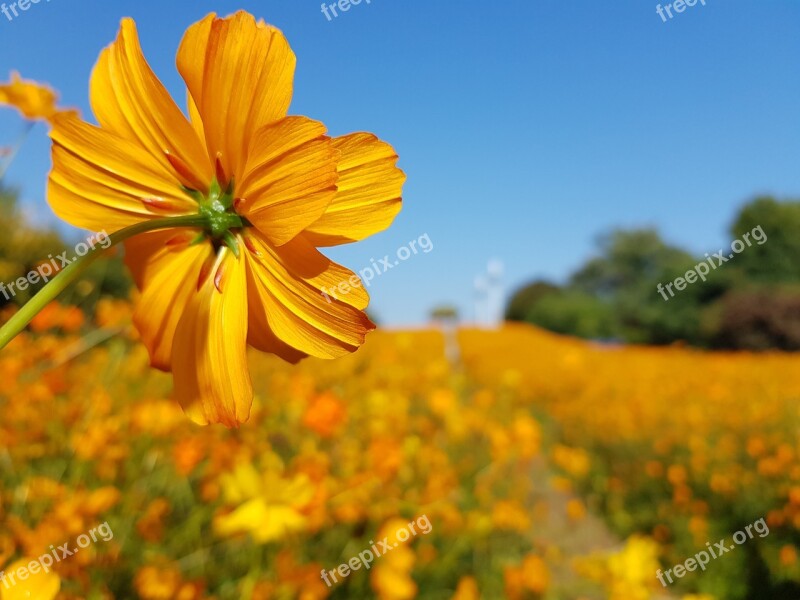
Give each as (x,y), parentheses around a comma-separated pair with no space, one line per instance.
(526,128)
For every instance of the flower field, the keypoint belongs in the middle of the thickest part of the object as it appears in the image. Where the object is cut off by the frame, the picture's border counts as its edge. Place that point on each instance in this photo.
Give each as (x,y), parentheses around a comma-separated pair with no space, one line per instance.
(547,468)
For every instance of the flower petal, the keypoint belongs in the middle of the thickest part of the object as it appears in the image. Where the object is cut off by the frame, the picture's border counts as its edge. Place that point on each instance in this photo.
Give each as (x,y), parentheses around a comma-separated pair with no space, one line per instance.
(129,100)
(290,178)
(101,181)
(260,335)
(285,288)
(209,356)
(166,268)
(240,74)
(369,192)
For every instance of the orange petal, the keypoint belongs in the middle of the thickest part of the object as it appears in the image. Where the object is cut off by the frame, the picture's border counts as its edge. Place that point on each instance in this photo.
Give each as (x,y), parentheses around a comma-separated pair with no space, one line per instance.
(285,288)
(128,99)
(165,268)
(369,192)
(290,178)
(209,356)
(101,181)
(261,337)
(240,75)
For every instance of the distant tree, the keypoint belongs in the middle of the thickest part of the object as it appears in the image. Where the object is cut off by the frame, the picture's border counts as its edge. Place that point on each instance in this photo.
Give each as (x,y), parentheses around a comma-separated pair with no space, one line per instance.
(758,320)
(575,313)
(524,299)
(626,258)
(777,258)
(444,313)
(623,292)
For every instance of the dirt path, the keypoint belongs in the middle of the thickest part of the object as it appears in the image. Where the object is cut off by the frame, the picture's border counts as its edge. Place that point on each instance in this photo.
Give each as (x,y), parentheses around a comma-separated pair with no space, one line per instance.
(561,538)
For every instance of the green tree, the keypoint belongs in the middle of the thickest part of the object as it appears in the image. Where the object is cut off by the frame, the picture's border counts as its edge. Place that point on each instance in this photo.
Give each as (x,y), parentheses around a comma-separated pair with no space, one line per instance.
(626,258)
(774,230)
(575,313)
(525,298)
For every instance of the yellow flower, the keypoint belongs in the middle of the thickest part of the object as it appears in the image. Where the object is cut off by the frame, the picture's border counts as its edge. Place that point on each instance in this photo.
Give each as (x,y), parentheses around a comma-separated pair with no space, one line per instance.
(272,188)
(33,100)
(391,578)
(35,586)
(467,589)
(269,505)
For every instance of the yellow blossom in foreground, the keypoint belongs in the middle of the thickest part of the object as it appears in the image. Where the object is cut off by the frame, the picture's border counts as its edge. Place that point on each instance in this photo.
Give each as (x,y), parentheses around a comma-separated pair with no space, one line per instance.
(36,586)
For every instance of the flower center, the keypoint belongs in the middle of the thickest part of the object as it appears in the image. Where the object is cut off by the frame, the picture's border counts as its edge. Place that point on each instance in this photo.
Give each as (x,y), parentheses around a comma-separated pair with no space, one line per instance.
(218,208)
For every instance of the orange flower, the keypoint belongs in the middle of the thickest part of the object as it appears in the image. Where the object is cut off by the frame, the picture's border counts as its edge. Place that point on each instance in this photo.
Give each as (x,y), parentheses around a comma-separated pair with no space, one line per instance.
(33,100)
(271,188)
(324,414)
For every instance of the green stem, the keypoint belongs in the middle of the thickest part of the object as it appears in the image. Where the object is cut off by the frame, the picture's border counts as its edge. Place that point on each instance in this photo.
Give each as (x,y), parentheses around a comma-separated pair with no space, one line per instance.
(71,272)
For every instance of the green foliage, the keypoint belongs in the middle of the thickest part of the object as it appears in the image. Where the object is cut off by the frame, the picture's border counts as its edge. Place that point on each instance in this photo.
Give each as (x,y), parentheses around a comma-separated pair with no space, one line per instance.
(24,247)
(526,297)
(575,313)
(626,259)
(445,312)
(777,259)
(616,294)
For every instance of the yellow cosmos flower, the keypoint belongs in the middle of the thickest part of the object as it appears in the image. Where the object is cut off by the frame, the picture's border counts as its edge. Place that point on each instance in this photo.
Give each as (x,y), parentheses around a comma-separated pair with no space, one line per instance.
(271,187)
(33,100)
(35,586)
(270,506)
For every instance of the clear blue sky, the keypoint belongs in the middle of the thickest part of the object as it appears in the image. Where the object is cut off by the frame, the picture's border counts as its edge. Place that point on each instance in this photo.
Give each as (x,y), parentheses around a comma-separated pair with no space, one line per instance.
(526,127)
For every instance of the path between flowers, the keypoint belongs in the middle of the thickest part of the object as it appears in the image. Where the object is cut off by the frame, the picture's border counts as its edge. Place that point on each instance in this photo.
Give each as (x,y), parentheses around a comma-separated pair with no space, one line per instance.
(564,529)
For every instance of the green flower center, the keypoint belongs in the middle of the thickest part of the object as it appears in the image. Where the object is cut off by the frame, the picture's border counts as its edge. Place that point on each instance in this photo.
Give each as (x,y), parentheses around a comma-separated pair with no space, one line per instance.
(217,208)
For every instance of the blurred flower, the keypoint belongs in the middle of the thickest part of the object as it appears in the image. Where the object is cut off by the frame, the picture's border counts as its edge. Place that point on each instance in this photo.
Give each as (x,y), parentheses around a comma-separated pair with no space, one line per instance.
(324,414)
(467,589)
(576,510)
(532,576)
(627,574)
(268,506)
(151,524)
(165,582)
(391,577)
(36,586)
(34,100)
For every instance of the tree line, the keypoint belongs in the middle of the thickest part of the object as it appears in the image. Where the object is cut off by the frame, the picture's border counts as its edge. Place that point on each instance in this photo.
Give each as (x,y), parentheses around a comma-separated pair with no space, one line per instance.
(750,302)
